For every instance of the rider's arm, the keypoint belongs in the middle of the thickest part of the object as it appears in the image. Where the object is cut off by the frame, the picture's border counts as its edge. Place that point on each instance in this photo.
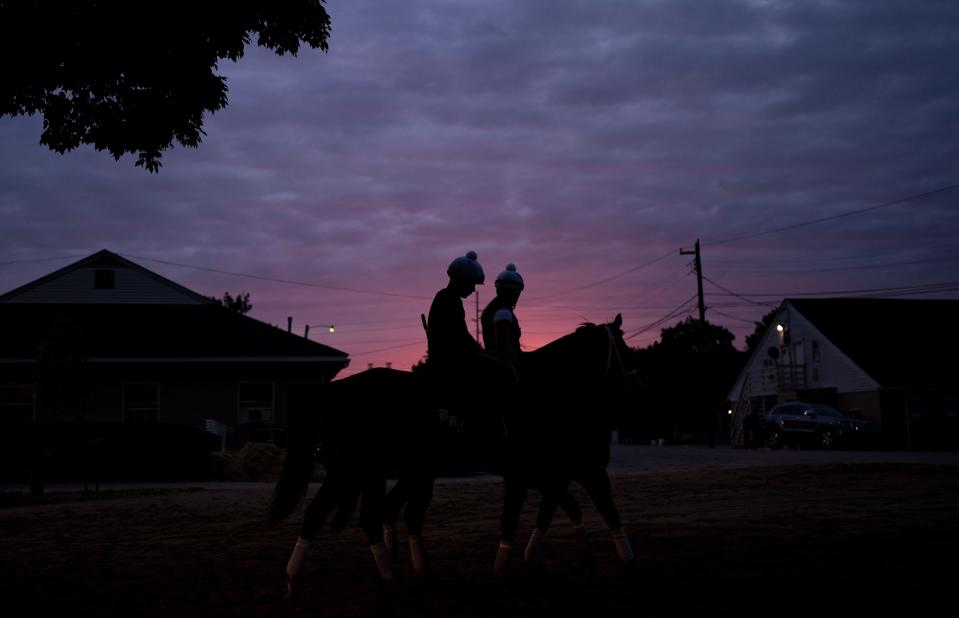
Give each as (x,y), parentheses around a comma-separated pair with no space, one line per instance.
(504,335)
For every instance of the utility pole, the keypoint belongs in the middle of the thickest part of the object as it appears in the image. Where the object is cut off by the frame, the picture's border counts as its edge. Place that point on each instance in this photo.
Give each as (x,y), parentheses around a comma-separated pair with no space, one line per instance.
(713,421)
(698,264)
(478,319)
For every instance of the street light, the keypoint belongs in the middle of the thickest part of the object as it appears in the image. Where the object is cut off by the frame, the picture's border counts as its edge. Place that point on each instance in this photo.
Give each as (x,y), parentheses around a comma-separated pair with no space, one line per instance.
(329,327)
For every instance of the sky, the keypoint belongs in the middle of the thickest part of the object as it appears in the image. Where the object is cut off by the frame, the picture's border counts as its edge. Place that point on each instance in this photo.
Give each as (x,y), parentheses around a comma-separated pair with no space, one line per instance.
(812,147)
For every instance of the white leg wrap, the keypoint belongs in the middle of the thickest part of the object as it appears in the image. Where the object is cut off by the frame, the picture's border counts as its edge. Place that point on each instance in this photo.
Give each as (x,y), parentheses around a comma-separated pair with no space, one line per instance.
(502,558)
(534,549)
(297,563)
(389,538)
(384,562)
(623,549)
(417,554)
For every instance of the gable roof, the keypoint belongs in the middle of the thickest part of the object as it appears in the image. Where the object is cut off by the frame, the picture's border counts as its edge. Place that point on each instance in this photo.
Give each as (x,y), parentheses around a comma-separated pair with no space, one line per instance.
(900,343)
(154,333)
(64,285)
(154,320)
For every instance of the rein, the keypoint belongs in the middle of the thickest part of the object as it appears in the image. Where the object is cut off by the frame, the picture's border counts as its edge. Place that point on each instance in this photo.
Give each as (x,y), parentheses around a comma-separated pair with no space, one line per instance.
(614,351)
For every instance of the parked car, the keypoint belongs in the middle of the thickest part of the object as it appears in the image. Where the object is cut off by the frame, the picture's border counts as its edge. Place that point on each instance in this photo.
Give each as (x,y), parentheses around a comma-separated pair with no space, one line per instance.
(817,425)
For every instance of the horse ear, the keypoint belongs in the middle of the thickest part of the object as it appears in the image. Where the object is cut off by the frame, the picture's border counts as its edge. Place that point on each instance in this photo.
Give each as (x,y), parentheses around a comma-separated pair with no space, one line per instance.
(618,321)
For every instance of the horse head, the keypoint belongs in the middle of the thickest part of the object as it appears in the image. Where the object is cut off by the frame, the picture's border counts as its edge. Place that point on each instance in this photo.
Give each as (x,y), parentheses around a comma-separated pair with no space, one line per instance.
(620,365)
(595,354)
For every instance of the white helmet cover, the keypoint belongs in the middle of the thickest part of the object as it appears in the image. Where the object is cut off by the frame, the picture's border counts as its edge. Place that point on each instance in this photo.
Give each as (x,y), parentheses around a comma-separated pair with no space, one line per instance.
(509,278)
(467,267)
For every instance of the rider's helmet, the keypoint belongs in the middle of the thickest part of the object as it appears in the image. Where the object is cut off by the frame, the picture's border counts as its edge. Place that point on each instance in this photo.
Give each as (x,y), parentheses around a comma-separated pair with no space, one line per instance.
(509,278)
(467,267)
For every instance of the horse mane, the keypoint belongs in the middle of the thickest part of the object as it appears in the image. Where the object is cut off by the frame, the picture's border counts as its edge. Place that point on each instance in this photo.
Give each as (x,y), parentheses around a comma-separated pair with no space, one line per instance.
(559,345)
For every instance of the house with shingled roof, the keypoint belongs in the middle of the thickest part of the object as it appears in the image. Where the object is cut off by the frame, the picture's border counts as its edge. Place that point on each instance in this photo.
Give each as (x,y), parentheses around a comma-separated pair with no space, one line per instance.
(888,360)
(105,339)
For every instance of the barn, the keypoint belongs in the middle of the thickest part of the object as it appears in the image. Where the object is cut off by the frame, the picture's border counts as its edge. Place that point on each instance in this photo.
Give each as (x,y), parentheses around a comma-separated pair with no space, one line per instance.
(889,360)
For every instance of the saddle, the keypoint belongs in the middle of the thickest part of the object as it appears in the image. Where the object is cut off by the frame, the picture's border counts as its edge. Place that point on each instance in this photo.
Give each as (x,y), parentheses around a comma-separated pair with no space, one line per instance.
(446,401)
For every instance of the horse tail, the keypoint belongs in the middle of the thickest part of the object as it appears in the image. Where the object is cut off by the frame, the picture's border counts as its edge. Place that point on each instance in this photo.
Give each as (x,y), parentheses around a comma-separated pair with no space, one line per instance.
(294,479)
(299,464)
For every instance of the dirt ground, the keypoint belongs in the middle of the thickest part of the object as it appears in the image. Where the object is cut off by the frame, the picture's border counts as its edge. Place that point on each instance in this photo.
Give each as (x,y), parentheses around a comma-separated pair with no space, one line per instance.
(748,541)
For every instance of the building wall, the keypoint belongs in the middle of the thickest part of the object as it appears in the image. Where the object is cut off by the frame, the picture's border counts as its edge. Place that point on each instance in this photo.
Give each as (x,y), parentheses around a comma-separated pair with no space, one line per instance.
(191,394)
(825,369)
(867,402)
(834,368)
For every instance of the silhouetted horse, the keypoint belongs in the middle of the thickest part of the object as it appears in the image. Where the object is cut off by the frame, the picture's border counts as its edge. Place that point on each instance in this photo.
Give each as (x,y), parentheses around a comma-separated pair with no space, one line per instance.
(384,420)
(571,388)
(362,429)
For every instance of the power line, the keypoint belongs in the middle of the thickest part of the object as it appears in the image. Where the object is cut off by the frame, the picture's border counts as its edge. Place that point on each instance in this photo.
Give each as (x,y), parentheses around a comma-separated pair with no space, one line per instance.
(733,293)
(393,347)
(36,260)
(834,217)
(733,317)
(946,286)
(604,280)
(287,281)
(916,253)
(758,268)
(669,315)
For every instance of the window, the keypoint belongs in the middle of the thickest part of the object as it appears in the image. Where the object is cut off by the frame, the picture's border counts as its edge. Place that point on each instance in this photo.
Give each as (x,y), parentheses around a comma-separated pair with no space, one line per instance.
(16,402)
(256,402)
(141,402)
(103,279)
(816,356)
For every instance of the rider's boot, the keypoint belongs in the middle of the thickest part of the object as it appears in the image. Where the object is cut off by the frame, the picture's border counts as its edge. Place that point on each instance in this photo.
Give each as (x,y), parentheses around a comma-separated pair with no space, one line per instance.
(501,564)
(623,549)
(384,562)
(534,548)
(296,567)
(418,555)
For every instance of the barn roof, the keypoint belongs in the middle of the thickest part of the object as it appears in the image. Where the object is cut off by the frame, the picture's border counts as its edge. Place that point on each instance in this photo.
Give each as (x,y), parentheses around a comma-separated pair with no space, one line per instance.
(900,343)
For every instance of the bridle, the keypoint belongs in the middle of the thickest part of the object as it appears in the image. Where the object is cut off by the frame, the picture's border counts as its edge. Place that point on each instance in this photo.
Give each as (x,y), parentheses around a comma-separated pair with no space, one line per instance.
(614,352)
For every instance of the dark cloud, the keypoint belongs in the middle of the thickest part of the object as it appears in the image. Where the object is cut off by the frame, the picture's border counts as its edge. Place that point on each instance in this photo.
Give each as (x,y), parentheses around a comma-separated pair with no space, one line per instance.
(577,139)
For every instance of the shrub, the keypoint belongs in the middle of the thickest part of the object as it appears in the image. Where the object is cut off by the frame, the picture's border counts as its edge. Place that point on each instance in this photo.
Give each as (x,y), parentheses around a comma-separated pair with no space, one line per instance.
(255,462)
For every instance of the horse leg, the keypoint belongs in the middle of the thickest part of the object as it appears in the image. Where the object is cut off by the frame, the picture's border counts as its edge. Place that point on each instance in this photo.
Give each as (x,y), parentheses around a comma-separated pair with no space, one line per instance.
(575,514)
(420,496)
(596,484)
(323,503)
(512,510)
(395,500)
(373,496)
(548,501)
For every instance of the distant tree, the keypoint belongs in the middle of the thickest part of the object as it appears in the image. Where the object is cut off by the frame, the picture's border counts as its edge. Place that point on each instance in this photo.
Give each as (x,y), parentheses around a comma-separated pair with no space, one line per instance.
(421,365)
(239,303)
(761,327)
(691,335)
(130,79)
(686,376)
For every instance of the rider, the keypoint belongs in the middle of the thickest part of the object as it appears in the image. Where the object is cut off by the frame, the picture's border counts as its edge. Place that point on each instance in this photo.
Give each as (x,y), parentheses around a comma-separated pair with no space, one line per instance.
(501,331)
(454,354)
(461,368)
(449,340)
